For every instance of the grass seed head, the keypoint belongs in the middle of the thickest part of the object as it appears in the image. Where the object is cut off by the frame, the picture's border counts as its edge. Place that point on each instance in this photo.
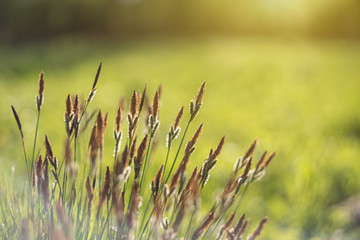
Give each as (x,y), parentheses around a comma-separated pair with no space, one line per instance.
(270,158)
(49,151)
(17,121)
(139,157)
(134,102)
(143,96)
(204,225)
(76,107)
(97,76)
(257,231)
(251,149)
(200,95)
(178,117)
(155,105)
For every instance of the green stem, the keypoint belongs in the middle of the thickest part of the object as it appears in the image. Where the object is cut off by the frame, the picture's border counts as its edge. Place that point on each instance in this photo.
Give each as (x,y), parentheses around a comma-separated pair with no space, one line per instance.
(147,223)
(36,131)
(146,209)
(107,219)
(173,212)
(146,160)
(217,224)
(177,153)
(166,160)
(189,225)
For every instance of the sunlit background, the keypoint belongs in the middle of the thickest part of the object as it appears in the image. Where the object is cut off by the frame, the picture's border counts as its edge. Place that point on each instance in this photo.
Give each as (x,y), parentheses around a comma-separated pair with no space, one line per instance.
(285,72)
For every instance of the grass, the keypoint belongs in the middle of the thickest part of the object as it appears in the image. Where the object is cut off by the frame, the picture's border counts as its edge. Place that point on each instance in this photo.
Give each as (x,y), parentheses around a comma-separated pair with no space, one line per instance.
(299,97)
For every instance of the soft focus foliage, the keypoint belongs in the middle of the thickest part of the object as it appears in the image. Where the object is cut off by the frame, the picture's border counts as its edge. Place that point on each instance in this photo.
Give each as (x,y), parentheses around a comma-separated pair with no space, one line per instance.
(41,19)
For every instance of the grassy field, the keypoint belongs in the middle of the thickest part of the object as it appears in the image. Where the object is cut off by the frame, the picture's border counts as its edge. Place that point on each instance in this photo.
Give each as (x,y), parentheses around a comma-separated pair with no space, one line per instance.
(300,98)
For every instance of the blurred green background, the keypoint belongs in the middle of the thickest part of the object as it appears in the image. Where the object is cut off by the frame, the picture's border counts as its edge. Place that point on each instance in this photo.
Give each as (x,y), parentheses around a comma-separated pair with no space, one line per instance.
(285,72)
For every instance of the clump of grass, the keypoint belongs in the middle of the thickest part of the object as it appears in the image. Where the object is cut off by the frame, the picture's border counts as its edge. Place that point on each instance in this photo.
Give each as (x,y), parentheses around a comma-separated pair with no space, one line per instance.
(82,199)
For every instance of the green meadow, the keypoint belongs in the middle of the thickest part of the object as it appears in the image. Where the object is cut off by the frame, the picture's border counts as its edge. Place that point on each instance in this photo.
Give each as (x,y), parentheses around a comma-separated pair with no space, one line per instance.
(298,97)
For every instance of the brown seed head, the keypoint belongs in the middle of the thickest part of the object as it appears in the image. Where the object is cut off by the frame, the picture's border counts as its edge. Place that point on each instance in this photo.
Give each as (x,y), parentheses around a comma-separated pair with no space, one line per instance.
(261,161)
(125,157)
(200,94)
(39,172)
(69,107)
(142,98)
(243,228)
(76,107)
(97,76)
(195,137)
(134,104)
(140,155)
(41,84)
(49,151)
(257,231)
(247,168)
(17,121)
(251,149)
(218,148)
(229,221)
(178,117)
(270,158)
(204,225)
(155,106)
(157,179)
(118,119)
(239,224)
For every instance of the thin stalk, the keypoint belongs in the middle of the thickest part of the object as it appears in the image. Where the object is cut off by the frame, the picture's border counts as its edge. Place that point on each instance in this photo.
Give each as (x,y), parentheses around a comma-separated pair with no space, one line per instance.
(166,160)
(146,209)
(219,219)
(145,162)
(189,225)
(27,170)
(173,212)
(147,223)
(35,137)
(116,151)
(107,219)
(177,153)
(217,224)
